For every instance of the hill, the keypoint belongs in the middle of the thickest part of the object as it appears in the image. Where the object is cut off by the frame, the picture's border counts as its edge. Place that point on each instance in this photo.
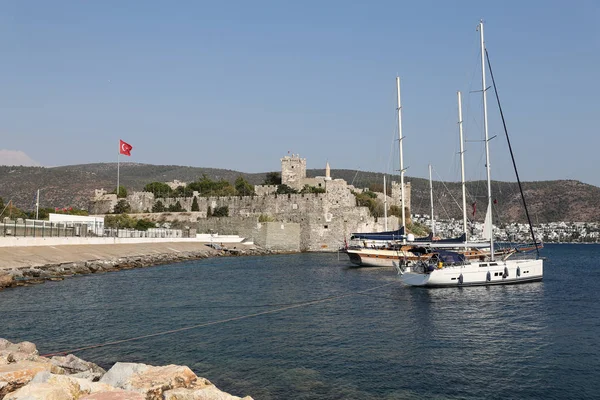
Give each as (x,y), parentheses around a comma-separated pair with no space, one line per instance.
(74,185)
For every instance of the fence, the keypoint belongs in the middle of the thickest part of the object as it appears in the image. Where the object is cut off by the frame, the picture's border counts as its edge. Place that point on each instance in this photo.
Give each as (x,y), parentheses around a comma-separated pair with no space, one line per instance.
(36,228)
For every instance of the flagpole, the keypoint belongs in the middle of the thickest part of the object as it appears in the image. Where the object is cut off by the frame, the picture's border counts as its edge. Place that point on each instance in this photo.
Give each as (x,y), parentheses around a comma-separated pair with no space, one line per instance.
(118,167)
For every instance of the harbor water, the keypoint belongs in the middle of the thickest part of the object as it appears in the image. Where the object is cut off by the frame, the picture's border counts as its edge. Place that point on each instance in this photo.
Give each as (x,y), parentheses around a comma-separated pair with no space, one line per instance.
(308,326)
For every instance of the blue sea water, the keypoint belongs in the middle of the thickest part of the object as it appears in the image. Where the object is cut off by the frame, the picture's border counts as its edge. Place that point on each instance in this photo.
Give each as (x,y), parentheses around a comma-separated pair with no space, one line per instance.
(530,341)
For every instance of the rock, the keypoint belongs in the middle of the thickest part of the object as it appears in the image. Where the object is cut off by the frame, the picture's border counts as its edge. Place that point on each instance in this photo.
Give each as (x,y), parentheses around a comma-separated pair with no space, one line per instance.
(40,391)
(16,375)
(207,393)
(120,373)
(4,343)
(114,395)
(6,280)
(73,365)
(75,386)
(27,347)
(13,353)
(152,381)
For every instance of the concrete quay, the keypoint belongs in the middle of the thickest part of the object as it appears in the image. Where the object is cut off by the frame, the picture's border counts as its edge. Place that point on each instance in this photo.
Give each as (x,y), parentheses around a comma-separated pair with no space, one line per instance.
(24,265)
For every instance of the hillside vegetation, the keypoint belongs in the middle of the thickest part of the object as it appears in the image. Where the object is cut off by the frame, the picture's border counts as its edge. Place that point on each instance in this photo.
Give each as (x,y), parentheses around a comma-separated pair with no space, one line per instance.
(66,186)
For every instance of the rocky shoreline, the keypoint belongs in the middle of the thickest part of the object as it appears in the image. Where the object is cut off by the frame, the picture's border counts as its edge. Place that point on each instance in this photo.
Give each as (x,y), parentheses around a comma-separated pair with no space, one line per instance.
(25,375)
(24,275)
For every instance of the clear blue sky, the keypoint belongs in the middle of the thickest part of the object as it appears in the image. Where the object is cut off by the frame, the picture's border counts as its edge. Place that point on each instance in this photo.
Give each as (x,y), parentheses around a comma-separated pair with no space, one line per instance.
(238,84)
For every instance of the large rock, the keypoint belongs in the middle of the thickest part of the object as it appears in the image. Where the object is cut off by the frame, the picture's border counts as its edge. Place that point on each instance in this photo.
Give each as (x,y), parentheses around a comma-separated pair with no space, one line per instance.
(24,375)
(40,391)
(16,375)
(6,280)
(65,387)
(16,352)
(152,381)
(207,393)
(115,395)
(73,365)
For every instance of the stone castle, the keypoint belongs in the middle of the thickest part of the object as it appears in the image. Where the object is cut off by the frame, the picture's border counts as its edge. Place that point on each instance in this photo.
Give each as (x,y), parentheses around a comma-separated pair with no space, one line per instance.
(294,222)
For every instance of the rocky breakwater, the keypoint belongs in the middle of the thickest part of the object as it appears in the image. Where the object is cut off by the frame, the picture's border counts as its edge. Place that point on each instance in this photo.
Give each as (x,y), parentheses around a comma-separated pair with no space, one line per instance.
(34,274)
(25,375)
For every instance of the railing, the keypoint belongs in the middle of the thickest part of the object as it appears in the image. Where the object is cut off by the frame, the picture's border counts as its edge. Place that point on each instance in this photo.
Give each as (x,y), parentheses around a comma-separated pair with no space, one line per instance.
(32,228)
(35,228)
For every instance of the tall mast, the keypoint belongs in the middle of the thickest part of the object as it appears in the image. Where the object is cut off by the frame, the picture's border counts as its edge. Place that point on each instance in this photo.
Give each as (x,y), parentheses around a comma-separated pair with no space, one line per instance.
(384,205)
(431,198)
(487,140)
(462,165)
(400,138)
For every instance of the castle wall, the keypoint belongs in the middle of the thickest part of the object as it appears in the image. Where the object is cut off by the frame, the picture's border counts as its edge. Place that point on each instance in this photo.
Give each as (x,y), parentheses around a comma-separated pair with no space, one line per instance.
(305,222)
(281,236)
(264,190)
(141,201)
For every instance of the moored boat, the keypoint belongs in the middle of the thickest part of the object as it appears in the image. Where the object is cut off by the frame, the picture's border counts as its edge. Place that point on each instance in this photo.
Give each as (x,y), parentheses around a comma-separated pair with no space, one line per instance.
(453,269)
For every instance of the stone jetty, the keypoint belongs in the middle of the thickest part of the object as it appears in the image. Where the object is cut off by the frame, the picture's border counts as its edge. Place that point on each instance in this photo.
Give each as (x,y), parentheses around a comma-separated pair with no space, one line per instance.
(21,266)
(25,375)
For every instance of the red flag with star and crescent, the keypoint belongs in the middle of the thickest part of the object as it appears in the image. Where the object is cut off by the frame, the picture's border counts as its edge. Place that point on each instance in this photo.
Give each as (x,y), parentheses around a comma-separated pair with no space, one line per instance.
(125,148)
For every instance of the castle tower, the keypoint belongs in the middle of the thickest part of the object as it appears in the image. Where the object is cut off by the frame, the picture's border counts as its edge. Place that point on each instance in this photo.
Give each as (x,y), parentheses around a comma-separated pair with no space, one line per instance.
(293,170)
(397,196)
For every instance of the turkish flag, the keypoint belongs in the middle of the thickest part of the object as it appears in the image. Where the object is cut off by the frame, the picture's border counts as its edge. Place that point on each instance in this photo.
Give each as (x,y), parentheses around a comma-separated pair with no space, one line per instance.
(125,148)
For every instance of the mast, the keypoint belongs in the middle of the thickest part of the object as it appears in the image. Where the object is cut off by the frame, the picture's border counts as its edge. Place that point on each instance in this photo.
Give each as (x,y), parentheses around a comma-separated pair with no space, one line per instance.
(462,166)
(431,198)
(487,140)
(400,138)
(384,205)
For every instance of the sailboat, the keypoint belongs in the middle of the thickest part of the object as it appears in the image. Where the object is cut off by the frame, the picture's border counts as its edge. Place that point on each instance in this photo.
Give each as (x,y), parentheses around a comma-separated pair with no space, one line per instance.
(447,268)
(397,248)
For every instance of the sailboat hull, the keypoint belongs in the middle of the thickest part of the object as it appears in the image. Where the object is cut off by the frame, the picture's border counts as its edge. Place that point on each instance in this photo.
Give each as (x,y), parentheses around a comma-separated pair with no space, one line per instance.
(378,257)
(478,274)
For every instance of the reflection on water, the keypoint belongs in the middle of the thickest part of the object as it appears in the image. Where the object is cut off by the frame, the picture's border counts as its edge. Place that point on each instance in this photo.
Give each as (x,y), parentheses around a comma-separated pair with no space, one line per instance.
(535,340)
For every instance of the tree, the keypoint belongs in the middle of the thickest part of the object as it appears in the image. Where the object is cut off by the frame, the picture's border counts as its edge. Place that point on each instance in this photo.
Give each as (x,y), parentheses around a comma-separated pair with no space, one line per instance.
(273,178)
(179,191)
(158,207)
(243,188)
(119,221)
(221,212)
(369,199)
(122,207)
(122,192)
(312,189)
(195,206)
(176,207)
(144,224)
(207,187)
(285,189)
(159,189)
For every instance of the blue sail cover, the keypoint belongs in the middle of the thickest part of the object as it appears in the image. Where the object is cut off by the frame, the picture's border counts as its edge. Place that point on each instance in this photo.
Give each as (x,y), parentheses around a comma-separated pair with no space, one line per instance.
(451,257)
(389,235)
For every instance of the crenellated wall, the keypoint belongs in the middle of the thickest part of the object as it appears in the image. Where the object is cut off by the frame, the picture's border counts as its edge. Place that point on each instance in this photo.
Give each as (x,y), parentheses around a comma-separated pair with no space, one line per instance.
(306,222)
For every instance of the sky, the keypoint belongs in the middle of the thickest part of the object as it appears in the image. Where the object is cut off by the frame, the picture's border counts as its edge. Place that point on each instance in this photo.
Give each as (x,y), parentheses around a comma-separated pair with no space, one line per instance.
(240,84)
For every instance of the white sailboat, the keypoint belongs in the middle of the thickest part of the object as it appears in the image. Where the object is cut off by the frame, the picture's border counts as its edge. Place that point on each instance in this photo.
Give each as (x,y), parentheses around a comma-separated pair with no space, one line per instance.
(444,269)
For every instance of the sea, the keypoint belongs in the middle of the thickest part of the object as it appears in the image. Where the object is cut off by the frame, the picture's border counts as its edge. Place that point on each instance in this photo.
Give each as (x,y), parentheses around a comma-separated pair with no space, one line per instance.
(309,326)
